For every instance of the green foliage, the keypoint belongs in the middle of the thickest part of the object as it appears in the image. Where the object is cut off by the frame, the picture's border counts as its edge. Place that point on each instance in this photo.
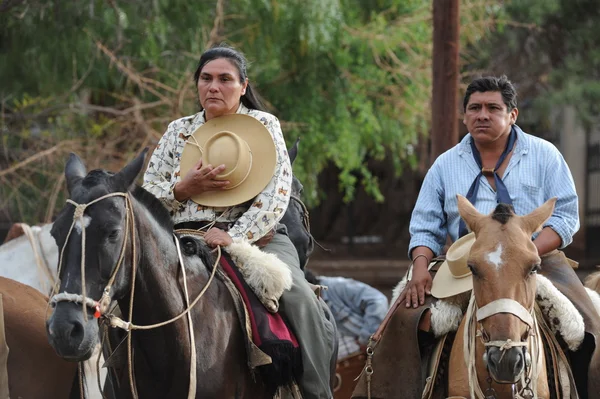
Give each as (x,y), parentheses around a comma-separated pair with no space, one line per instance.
(558,42)
(352,78)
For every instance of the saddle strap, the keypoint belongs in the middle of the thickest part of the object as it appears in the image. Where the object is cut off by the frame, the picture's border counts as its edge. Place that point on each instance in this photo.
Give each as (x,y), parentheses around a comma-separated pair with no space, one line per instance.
(434,364)
(377,336)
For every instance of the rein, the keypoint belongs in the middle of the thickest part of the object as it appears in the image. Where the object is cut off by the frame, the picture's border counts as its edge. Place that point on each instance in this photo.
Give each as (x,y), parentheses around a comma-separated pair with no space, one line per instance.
(306,224)
(101,306)
(532,366)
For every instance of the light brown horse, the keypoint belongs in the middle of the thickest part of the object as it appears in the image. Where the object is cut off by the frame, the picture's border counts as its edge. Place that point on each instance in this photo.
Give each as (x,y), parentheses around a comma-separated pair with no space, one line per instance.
(34,369)
(504,262)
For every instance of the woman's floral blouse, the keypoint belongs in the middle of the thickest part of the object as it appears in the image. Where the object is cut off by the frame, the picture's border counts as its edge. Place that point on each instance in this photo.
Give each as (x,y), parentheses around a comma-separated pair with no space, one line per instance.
(249,221)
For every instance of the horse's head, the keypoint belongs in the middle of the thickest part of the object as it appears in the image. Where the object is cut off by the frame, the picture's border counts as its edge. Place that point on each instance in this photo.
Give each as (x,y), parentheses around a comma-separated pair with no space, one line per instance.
(504,262)
(92,239)
(296,217)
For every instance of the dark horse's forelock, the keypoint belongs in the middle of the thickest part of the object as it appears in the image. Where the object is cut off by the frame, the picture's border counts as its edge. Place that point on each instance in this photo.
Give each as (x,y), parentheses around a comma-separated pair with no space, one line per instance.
(503,213)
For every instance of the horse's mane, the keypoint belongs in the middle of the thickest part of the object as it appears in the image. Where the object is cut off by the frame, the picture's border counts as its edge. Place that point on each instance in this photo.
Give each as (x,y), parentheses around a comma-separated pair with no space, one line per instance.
(154,206)
(503,213)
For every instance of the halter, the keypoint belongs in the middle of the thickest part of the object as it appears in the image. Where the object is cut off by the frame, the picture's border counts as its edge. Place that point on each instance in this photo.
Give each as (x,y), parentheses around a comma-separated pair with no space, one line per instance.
(101,306)
(475,316)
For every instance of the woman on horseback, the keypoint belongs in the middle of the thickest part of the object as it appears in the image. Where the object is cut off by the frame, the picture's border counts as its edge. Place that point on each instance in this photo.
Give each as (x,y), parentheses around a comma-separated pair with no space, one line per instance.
(207,197)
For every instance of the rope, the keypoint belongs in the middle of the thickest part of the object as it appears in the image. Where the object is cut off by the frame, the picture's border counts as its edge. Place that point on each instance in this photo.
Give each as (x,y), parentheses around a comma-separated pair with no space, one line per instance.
(306,223)
(192,388)
(75,298)
(117,322)
(40,259)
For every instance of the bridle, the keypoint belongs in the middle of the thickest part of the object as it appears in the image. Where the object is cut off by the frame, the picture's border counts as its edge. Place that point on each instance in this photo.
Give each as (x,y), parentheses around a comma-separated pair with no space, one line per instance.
(101,306)
(532,358)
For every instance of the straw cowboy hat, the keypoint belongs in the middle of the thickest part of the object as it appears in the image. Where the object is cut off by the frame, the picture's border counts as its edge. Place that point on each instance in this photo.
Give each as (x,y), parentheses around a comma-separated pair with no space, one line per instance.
(246,148)
(454,276)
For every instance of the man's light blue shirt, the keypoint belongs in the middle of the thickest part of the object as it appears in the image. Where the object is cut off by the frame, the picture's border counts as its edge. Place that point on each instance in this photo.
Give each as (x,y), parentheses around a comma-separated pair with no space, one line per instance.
(535,173)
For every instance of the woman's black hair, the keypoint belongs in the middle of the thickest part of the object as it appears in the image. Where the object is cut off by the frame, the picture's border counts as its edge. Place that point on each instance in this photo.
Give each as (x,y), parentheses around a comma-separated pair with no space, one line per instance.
(250,99)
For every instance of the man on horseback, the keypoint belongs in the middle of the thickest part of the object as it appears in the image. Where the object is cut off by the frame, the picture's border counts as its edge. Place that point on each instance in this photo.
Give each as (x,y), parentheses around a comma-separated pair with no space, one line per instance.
(207,197)
(495,163)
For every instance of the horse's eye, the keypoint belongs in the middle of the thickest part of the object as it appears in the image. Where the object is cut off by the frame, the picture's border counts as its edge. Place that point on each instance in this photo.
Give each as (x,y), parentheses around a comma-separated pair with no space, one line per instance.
(114,234)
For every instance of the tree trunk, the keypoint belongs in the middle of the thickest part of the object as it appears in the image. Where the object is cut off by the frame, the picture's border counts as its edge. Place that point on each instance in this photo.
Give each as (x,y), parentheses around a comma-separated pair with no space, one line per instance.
(444,118)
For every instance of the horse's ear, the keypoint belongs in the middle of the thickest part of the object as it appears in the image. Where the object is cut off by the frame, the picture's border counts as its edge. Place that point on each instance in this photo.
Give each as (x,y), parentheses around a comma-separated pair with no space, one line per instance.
(469,213)
(293,152)
(126,177)
(74,171)
(536,219)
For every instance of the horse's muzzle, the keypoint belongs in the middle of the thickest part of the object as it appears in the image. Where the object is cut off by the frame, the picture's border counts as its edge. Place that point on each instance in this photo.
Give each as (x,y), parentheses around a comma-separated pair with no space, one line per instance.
(506,366)
(72,337)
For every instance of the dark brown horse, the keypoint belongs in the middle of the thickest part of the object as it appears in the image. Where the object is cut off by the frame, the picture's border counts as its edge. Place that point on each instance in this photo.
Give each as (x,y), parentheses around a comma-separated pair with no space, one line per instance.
(162,355)
(34,369)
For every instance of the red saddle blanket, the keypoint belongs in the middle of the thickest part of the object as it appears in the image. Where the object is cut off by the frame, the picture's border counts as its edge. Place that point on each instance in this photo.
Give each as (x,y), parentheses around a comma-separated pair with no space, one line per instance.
(270,333)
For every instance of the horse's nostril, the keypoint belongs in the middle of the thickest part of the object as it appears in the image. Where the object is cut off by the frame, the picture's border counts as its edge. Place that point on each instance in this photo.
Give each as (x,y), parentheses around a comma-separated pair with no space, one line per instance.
(519,364)
(76,333)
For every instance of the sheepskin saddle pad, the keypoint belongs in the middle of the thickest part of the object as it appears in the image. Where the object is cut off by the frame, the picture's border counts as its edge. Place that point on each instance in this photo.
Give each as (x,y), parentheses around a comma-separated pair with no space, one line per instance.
(562,316)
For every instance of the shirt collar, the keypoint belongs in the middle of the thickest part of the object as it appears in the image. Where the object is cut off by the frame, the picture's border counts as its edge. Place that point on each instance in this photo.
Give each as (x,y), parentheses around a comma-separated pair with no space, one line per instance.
(198,119)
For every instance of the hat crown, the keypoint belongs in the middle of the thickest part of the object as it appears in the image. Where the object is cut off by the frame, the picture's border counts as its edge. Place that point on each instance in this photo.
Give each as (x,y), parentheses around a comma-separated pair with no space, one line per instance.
(247,149)
(229,149)
(458,255)
(454,276)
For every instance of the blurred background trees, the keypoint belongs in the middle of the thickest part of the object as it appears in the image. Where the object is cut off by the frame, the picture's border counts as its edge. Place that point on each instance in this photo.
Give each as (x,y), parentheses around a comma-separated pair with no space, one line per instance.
(103,78)
(351,78)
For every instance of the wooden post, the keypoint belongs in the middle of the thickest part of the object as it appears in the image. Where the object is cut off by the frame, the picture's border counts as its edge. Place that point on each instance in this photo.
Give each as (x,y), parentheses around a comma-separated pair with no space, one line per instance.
(444,110)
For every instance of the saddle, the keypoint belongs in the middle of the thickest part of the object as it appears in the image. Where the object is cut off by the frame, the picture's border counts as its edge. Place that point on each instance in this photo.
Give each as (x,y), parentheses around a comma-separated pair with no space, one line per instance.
(255,281)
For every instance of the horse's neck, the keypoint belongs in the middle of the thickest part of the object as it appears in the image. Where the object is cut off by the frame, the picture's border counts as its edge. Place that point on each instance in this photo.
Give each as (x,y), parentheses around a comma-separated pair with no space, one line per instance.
(17,260)
(159,297)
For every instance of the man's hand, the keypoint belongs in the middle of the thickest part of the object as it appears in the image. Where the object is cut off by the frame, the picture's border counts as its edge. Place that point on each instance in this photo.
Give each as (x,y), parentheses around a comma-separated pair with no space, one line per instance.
(215,236)
(198,180)
(416,289)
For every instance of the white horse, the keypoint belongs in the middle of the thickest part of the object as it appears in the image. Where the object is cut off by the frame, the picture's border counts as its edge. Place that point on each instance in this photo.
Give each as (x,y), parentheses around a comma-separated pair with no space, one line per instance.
(32,259)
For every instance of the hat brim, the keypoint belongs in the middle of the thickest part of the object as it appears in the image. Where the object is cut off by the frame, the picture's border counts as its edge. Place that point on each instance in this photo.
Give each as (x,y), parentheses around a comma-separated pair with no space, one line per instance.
(445,285)
(264,158)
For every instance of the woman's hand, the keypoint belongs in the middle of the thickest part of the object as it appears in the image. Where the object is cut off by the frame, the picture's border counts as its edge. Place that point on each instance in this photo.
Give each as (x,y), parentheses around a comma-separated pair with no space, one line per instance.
(418,286)
(215,236)
(264,240)
(199,180)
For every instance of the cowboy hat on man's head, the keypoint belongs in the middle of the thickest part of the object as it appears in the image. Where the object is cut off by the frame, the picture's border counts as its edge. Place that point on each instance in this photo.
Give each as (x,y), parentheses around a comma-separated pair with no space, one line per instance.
(246,148)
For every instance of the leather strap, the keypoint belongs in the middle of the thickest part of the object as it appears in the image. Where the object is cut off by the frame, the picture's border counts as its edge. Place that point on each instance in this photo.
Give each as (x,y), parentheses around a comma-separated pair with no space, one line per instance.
(505,305)
(434,265)
(434,364)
